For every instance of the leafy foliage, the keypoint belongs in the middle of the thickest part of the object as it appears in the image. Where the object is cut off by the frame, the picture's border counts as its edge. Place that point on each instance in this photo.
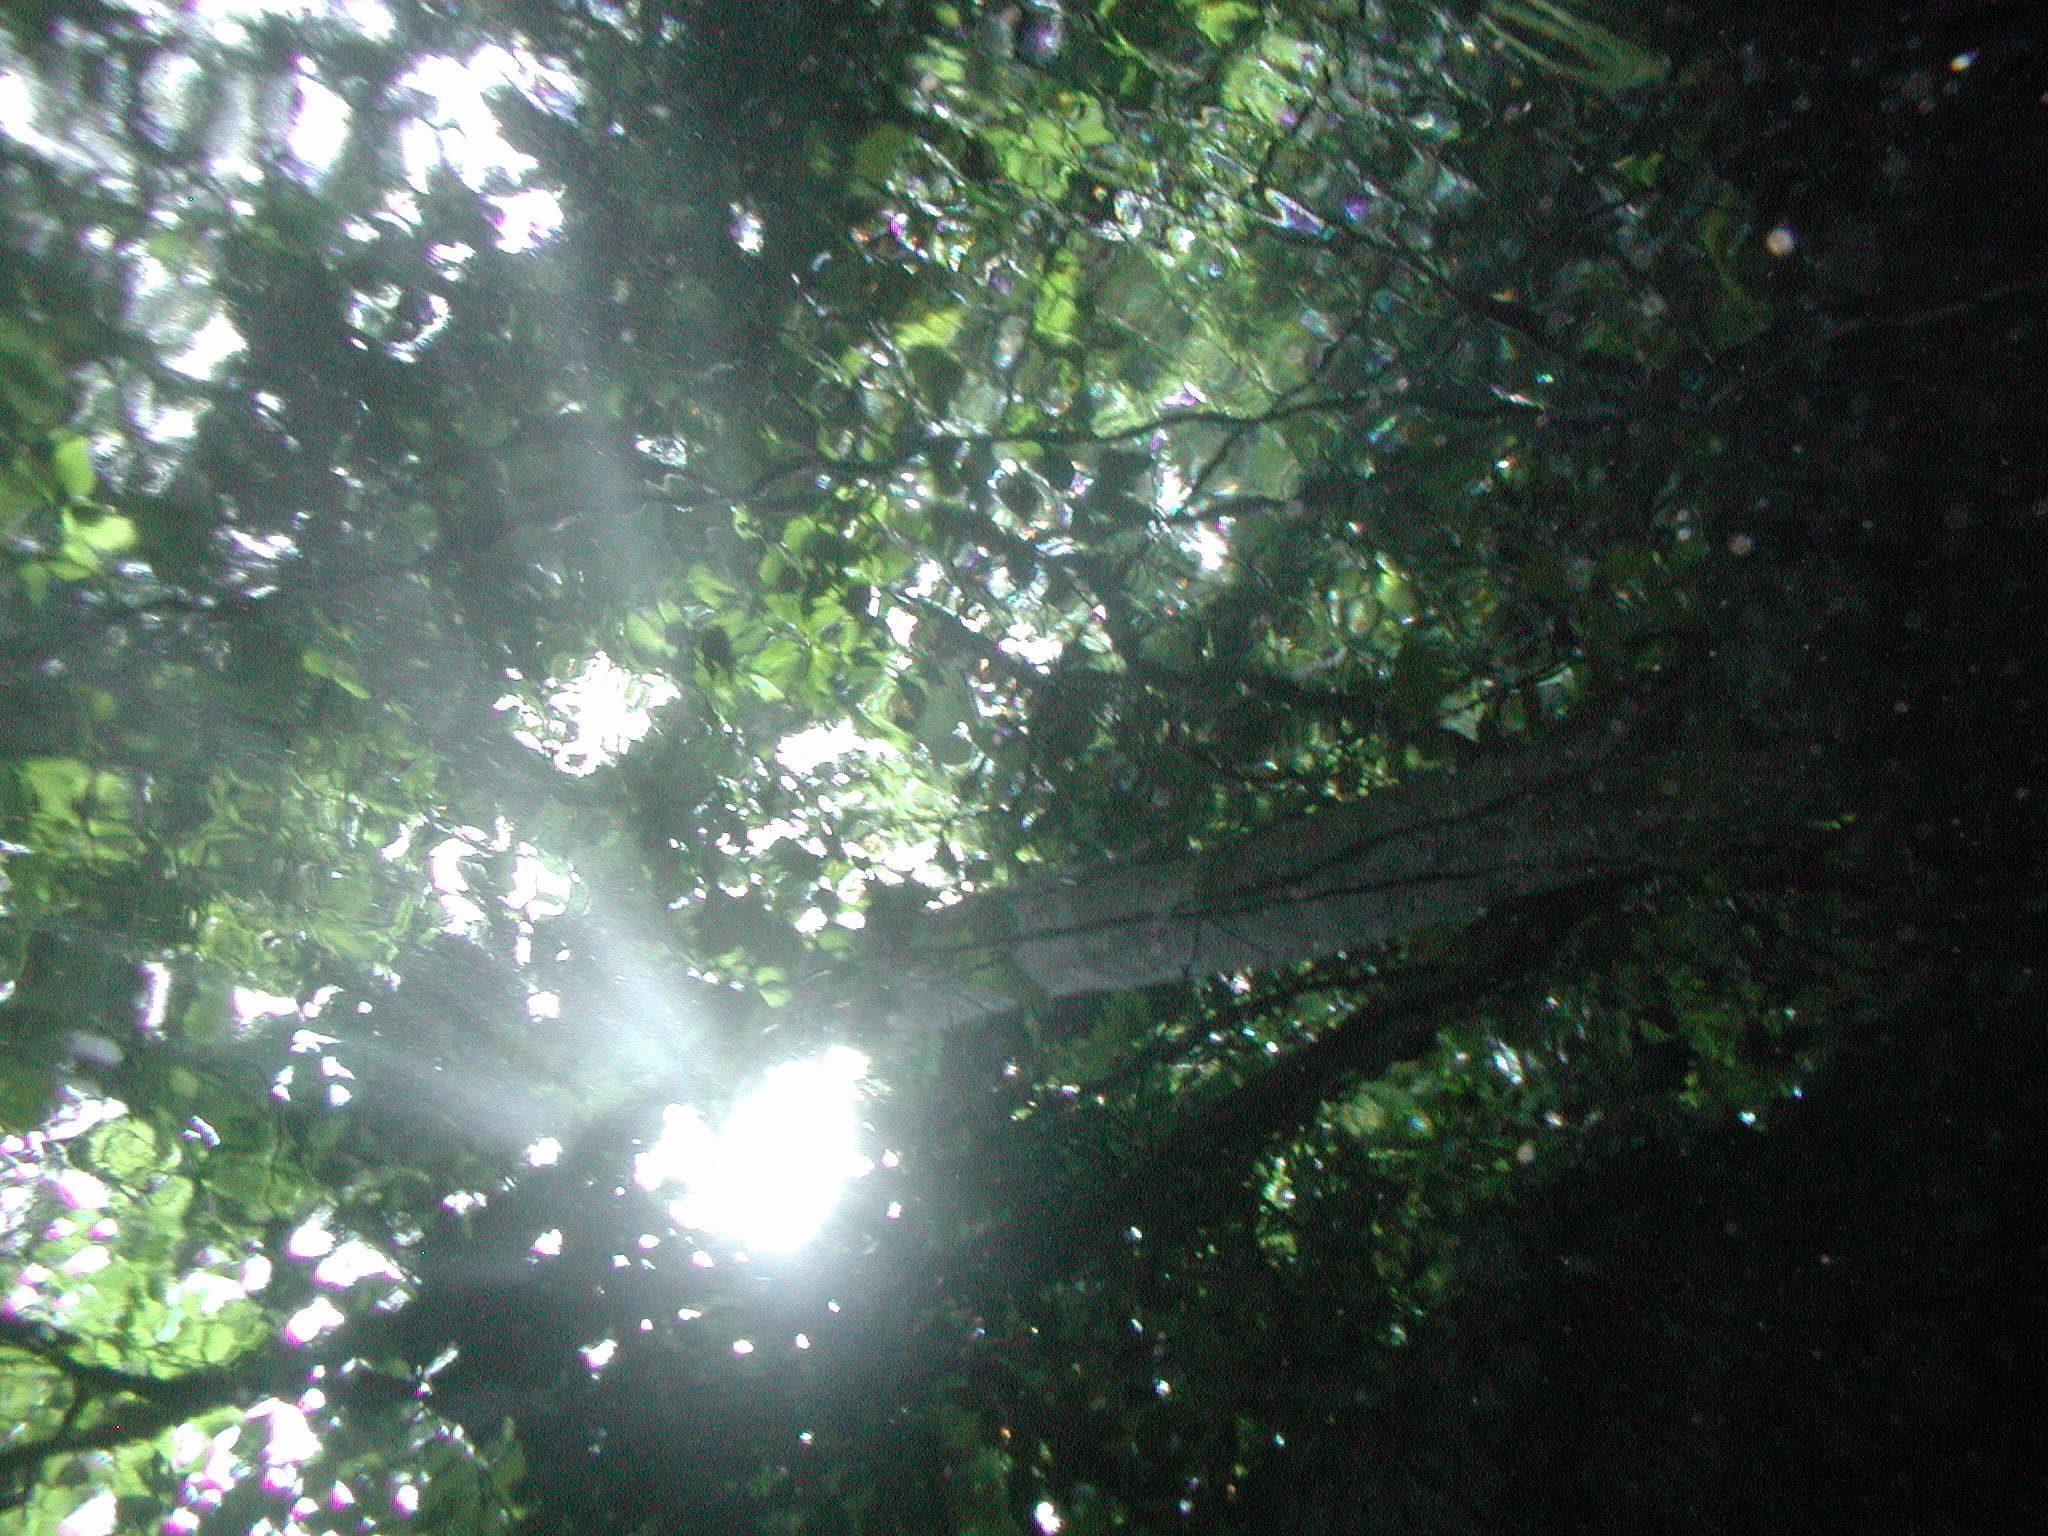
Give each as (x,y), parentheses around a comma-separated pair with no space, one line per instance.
(471,681)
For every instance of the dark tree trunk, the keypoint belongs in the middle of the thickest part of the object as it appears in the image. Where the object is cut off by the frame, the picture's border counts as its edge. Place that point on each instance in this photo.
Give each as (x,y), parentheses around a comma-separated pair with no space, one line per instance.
(1443,848)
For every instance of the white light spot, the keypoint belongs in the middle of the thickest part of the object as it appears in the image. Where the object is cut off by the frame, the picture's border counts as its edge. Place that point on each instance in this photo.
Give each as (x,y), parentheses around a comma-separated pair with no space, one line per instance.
(292,1440)
(743,1346)
(770,1176)
(524,219)
(598,1356)
(320,126)
(456,126)
(173,425)
(315,1318)
(538,891)
(914,859)
(17,107)
(251,1005)
(1027,645)
(590,717)
(187,1445)
(769,833)
(310,1241)
(549,1244)
(221,18)
(746,229)
(1047,1518)
(458,129)
(444,873)
(1781,242)
(80,1190)
(824,743)
(205,1290)
(208,347)
(1508,1063)
(803,1341)
(156,998)
(95,1517)
(88,1261)
(544,1153)
(354,1260)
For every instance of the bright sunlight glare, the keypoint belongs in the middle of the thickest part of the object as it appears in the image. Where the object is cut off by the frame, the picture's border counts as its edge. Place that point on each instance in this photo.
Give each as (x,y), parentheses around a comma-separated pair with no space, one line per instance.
(320,126)
(770,1176)
(590,717)
(804,751)
(459,130)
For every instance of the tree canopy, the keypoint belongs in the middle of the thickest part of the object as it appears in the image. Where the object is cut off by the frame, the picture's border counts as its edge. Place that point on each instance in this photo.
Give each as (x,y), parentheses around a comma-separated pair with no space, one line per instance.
(864,766)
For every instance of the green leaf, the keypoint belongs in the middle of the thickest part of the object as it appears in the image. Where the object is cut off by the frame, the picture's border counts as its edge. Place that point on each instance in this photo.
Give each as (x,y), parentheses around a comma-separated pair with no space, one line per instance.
(947,705)
(57,784)
(126,1150)
(875,157)
(646,636)
(1219,20)
(71,458)
(335,669)
(935,328)
(98,531)
(19,496)
(1553,37)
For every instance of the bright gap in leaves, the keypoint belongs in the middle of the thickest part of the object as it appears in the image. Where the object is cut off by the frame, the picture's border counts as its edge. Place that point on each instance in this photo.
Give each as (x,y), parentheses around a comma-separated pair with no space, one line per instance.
(770,1176)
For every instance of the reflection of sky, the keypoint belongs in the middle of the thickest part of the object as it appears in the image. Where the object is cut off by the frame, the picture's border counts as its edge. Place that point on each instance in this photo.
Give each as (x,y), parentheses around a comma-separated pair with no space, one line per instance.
(770,1175)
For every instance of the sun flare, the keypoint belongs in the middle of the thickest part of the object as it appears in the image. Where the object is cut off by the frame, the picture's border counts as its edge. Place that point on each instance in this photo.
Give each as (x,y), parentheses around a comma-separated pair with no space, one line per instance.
(769,1177)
